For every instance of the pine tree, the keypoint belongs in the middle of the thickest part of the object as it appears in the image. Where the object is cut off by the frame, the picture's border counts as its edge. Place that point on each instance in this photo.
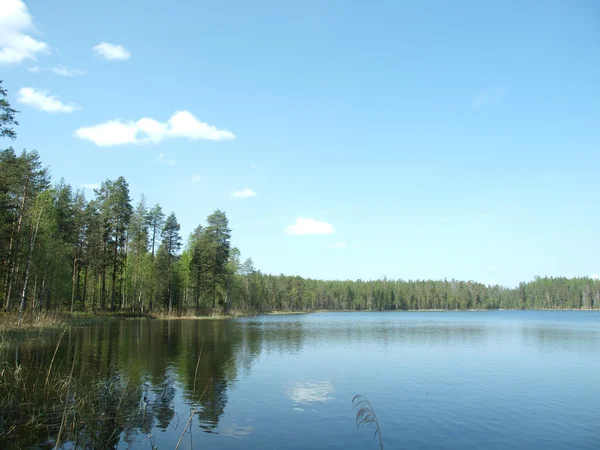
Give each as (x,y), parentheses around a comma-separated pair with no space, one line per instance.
(115,209)
(156,219)
(219,245)
(139,235)
(7,116)
(170,246)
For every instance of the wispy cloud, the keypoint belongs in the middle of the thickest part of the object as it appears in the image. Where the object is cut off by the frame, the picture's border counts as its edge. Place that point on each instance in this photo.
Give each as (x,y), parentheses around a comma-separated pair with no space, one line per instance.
(255,167)
(196,179)
(43,101)
(182,124)
(237,431)
(15,44)
(492,268)
(111,52)
(490,95)
(339,245)
(162,159)
(244,193)
(62,71)
(309,226)
(90,185)
(595,276)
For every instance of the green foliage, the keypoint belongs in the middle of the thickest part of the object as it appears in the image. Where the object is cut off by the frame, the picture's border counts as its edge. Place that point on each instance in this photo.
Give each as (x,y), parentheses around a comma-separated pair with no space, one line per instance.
(103,254)
(7,116)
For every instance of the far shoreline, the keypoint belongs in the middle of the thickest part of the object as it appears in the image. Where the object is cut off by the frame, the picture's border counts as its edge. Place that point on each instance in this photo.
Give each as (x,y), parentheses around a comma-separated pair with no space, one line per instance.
(64,320)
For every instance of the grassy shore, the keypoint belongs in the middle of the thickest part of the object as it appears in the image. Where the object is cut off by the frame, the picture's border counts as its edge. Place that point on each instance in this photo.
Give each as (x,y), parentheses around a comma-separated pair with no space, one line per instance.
(205,315)
(57,320)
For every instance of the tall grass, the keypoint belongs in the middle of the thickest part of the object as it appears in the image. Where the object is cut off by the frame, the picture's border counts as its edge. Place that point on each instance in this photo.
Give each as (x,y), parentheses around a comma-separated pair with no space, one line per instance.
(365,416)
(45,406)
(61,408)
(33,320)
(202,314)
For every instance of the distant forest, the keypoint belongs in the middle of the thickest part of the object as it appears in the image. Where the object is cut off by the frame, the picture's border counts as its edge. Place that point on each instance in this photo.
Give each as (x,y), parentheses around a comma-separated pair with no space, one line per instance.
(62,251)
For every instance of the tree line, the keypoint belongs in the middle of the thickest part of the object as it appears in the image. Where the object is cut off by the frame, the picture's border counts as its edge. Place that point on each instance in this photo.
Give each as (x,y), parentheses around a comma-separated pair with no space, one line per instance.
(62,251)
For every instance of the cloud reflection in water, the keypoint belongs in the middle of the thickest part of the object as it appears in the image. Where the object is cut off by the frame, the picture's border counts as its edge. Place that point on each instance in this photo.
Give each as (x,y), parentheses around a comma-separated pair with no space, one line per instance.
(312,392)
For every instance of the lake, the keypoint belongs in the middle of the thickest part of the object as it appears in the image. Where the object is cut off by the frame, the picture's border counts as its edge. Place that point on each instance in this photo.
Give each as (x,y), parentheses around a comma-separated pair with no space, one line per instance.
(436,380)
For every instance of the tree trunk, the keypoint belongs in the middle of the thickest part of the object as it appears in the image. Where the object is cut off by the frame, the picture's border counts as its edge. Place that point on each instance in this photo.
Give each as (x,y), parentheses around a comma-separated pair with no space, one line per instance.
(136,270)
(153,235)
(41,294)
(227,305)
(123,293)
(114,274)
(73,281)
(170,289)
(94,285)
(16,258)
(103,290)
(35,283)
(124,279)
(78,282)
(9,255)
(198,284)
(28,266)
(48,292)
(85,272)
(214,281)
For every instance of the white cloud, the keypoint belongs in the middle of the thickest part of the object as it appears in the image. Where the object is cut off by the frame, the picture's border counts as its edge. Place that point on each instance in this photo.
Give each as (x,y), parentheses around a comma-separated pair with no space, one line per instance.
(43,101)
(312,392)
(595,276)
(162,160)
(309,226)
(90,185)
(492,268)
(182,124)
(196,179)
(15,44)
(339,244)
(246,192)
(489,96)
(109,133)
(111,52)
(62,71)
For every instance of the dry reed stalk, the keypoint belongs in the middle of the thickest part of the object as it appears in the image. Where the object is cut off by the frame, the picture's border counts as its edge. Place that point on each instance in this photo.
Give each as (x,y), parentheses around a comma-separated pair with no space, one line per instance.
(52,361)
(365,415)
(192,414)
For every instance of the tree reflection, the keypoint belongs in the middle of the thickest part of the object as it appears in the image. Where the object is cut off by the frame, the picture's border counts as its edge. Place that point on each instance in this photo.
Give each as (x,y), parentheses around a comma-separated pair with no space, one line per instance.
(133,378)
(137,380)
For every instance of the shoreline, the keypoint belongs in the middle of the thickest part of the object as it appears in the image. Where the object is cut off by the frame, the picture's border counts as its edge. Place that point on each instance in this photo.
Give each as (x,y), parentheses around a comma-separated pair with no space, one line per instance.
(62,320)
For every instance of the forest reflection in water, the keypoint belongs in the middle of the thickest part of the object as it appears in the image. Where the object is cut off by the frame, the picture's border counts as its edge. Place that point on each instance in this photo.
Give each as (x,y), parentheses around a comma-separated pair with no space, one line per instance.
(137,381)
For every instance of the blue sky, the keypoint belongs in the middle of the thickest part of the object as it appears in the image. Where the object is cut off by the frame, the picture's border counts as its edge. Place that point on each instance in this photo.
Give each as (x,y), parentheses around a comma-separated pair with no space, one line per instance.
(407,139)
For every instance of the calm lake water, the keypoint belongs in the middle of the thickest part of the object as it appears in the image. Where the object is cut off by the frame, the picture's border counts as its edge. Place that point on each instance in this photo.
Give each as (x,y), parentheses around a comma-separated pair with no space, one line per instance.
(448,380)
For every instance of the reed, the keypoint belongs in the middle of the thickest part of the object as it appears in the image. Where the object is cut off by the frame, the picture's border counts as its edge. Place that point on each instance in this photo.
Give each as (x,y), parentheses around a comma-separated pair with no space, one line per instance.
(32,320)
(65,408)
(365,416)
